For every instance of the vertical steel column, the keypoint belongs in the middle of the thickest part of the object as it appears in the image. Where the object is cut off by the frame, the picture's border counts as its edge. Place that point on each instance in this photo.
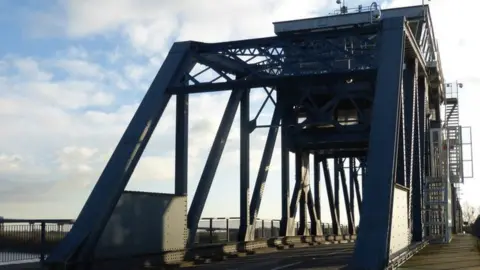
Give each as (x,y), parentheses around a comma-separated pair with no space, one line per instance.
(315,223)
(351,174)
(79,244)
(316,184)
(402,173)
(363,171)
(181,146)
(410,95)
(373,241)
(331,200)
(348,210)
(263,172)
(301,183)
(409,108)
(357,189)
(427,152)
(291,225)
(244,165)
(302,224)
(454,210)
(284,102)
(203,188)
(336,177)
(285,163)
(306,194)
(305,190)
(418,168)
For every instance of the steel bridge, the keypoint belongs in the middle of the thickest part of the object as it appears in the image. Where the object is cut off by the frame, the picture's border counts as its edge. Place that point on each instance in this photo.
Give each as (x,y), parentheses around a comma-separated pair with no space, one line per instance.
(361,93)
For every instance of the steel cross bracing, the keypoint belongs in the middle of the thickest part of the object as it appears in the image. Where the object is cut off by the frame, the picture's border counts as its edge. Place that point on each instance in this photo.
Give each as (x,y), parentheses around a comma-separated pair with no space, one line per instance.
(340,95)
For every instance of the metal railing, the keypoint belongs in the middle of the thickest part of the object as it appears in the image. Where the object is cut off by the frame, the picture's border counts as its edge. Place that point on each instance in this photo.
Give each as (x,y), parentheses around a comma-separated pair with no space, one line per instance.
(30,240)
(23,240)
(218,230)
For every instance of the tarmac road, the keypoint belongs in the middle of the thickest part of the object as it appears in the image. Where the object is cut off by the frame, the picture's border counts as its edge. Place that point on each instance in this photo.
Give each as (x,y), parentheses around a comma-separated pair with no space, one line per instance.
(333,256)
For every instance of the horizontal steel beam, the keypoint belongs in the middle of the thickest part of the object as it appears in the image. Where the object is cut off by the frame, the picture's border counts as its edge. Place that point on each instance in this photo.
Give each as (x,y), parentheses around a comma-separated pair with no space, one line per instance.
(275,41)
(342,20)
(275,81)
(413,45)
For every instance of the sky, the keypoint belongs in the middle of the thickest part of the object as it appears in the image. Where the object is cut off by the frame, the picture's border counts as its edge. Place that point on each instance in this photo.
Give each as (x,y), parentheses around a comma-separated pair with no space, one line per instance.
(73,72)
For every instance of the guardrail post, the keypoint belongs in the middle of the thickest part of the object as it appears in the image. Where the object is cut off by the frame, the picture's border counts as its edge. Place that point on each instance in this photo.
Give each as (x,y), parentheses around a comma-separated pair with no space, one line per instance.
(211,229)
(227,229)
(263,228)
(42,242)
(272,229)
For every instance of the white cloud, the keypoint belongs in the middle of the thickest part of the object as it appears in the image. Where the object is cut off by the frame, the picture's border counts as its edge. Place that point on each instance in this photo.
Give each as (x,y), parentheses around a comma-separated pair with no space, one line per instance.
(80,68)
(9,162)
(76,52)
(28,67)
(138,73)
(73,158)
(148,24)
(155,168)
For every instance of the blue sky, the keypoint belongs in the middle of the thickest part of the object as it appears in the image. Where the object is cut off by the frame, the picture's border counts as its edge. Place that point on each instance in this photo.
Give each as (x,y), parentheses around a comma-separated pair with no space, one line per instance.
(73,72)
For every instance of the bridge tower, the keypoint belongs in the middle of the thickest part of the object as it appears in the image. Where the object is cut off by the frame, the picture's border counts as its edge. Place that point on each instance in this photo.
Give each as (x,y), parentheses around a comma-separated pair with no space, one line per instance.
(361,90)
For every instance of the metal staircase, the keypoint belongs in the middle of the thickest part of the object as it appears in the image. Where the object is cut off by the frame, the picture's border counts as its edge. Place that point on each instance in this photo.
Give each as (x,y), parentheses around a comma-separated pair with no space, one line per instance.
(446,157)
(453,134)
(437,191)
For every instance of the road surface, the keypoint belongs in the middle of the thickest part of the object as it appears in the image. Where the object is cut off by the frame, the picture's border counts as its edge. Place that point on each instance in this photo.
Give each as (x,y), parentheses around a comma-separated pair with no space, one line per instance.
(333,256)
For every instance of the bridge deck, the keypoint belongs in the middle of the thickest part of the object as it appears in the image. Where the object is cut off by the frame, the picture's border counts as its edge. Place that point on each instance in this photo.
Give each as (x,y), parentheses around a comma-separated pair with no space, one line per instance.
(333,256)
(461,253)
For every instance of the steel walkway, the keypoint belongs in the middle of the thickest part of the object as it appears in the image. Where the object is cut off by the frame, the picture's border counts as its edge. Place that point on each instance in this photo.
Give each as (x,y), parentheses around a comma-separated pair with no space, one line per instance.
(461,253)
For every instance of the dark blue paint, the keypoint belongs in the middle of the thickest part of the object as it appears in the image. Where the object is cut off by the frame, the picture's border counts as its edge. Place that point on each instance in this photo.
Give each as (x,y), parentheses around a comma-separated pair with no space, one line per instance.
(418,169)
(181,146)
(372,246)
(331,198)
(264,166)
(245,221)
(80,243)
(206,179)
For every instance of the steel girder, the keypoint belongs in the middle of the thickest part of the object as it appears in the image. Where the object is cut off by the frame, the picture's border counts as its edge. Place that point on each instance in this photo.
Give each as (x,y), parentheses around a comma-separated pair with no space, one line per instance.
(314,59)
(79,244)
(397,131)
(316,71)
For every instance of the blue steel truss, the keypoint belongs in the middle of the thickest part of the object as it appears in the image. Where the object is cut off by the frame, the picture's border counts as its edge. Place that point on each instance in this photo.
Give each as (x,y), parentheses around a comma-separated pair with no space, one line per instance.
(377,73)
